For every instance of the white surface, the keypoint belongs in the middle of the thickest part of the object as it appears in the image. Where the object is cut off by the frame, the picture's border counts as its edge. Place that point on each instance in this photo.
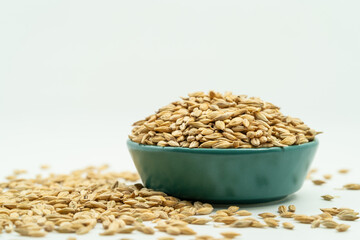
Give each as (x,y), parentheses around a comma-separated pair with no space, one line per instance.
(307,201)
(75,74)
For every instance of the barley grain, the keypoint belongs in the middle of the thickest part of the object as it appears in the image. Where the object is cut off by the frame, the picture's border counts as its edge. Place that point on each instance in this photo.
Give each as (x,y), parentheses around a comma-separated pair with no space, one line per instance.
(230,235)
(243,213)
(318,182)
(173,230)
(257,224)
(241,223)
(303,218)
(327,197)
(204,237)
(271,222)
(315,223)
(282,209)
(233,209)
(288,225)
(343,171)
(348,215)
(352,186)
(267,215)
(187,231)
(292,208)
(331,211)
(45,166)
(328,223)
(165,238)
(327,176)
(287,214)
(204,211)
(325,215)
(204,121)
(74,203)
(342,227)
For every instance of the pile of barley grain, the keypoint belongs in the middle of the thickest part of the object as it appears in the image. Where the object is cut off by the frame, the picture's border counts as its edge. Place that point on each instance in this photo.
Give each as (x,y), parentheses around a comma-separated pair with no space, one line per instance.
(76,202)
(221,121)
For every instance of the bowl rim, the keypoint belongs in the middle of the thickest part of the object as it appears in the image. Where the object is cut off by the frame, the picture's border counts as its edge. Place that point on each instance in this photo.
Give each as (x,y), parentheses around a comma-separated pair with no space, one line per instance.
(144,147)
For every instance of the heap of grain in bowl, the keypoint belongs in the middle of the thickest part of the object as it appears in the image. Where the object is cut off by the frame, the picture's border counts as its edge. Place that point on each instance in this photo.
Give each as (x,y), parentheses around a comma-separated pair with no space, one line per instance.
(216,120)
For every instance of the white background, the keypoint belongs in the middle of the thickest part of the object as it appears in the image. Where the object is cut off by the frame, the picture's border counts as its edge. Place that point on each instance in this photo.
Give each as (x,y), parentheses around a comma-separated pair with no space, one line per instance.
(74,75)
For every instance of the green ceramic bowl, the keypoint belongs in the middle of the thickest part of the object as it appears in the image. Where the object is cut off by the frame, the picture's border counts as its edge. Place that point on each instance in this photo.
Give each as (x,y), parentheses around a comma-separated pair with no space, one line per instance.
(224,175)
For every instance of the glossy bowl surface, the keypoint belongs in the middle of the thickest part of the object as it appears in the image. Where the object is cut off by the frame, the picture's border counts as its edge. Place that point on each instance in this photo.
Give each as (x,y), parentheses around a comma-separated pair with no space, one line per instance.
(224,175)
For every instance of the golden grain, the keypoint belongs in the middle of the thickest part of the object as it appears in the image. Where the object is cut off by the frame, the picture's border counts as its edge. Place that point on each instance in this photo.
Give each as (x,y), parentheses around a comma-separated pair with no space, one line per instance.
(267,215)
(204,237)
(352,186)
(327,176)
(204,210)
(287,214)
(328,223)
(282,209)
(173,230)
(348,215)
(257,224)
(327,197)
(315,223)
(342,227)
(187,231)
(325,215)
(271,222)
(292,208)
(241,223)
(165,238)
(45,166)
(74,203)
(230,235)
(303,218)
(288,225)
(217,120)
(243,213)
(233,209)
(331,211)
(318,182)
(200,221)
(226,220)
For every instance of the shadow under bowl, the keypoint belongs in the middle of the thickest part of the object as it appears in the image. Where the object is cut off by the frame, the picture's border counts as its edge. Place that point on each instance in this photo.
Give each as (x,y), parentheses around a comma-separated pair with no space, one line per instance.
(224,175)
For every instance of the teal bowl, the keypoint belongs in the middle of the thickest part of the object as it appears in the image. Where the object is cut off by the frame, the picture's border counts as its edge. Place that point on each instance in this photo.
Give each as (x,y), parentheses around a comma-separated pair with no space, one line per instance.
(224,175)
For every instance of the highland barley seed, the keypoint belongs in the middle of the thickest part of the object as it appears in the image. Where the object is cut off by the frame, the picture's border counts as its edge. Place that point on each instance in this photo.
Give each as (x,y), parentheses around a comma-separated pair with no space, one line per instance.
(217,120)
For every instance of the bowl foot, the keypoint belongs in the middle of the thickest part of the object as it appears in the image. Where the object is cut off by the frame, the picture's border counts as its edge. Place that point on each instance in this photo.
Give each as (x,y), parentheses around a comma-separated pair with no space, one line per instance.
(234,201)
